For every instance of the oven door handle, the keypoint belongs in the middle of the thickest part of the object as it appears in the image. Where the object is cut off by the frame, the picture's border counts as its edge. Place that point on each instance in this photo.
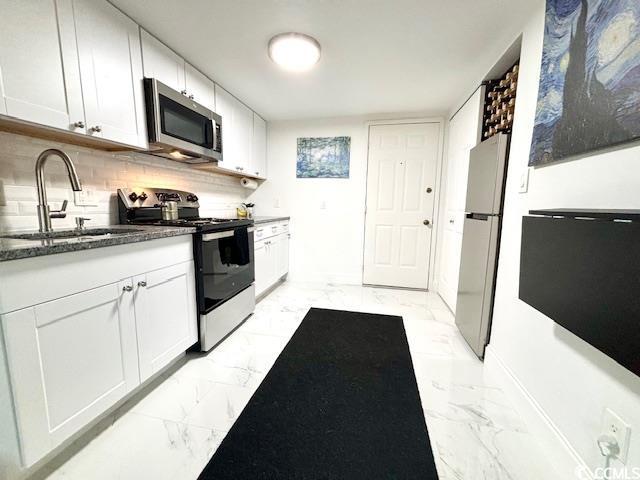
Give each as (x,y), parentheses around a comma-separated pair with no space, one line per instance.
(228,233)
(214,236)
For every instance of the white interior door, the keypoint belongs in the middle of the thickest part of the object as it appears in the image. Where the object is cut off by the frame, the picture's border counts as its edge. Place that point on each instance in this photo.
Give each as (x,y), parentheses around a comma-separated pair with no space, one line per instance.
(401,181)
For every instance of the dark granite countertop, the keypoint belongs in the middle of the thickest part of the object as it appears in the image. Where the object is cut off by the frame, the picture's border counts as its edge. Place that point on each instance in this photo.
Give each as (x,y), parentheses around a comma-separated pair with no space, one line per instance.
(14,249)
(259,220)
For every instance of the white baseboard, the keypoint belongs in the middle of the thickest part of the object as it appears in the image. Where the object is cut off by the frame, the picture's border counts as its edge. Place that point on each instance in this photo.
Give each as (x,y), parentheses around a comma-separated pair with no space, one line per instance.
(568,463)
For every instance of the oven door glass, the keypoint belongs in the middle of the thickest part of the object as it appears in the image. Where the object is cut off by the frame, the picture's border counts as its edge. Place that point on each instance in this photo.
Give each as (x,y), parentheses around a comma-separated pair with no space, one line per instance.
(227,266)
(185,124)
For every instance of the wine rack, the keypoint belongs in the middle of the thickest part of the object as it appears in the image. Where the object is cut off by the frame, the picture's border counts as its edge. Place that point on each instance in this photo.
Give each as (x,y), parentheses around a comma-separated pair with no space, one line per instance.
(500,103)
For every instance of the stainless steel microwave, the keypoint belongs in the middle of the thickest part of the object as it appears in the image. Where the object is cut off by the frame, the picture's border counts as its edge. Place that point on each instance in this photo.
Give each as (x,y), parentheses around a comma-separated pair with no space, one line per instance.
(180,128)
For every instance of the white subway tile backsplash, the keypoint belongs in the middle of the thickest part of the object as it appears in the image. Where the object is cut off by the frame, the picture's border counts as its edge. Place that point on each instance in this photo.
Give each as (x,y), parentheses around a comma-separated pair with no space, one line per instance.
(104,173)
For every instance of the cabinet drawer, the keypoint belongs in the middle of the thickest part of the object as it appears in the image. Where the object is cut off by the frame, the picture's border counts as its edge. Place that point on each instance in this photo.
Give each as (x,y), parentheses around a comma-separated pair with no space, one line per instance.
(267,230)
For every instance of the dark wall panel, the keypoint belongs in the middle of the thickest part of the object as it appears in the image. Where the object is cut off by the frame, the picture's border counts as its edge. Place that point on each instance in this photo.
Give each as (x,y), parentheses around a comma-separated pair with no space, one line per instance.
(585,275)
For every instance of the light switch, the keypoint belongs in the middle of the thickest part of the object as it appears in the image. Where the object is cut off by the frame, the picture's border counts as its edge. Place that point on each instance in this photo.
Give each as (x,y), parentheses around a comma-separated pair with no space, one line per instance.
(524,181)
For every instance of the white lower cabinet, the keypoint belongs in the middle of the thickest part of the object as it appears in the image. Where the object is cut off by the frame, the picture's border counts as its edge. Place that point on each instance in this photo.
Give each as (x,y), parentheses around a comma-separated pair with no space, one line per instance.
(69,360)
(164,298)
(271,254)
(75,348)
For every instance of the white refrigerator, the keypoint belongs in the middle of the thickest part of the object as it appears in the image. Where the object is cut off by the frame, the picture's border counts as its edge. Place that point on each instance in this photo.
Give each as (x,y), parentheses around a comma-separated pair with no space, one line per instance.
(480,241)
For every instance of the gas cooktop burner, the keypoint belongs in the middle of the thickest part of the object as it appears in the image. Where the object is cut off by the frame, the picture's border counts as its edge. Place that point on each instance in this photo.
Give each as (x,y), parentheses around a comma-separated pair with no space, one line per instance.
(134,210)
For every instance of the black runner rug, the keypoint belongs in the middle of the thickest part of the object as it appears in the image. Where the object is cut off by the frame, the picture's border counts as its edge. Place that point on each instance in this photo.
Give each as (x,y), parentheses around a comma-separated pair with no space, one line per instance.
(341,402)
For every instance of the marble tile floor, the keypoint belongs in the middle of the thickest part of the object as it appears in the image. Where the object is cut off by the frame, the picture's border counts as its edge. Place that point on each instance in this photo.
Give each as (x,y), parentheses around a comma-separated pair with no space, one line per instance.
(175,429)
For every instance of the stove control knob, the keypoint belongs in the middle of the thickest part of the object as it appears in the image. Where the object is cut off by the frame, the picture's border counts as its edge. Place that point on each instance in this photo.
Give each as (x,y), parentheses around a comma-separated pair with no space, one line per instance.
(192,198)
(143,196)
(133,196)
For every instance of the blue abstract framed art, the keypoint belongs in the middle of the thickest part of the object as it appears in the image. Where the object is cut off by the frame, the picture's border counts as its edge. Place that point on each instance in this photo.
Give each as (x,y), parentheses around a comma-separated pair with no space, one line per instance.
(323,157)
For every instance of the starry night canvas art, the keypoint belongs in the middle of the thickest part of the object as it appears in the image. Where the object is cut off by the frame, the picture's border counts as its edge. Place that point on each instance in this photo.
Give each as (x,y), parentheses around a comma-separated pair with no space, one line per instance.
(589,97)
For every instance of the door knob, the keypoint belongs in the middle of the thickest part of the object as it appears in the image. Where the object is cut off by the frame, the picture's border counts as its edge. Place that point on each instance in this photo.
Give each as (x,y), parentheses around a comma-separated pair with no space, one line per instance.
(426,222)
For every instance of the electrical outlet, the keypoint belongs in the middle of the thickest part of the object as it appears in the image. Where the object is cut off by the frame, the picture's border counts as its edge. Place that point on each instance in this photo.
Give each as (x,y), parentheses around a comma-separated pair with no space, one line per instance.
(524,181)
(85,198)
(614,426)
(276,203)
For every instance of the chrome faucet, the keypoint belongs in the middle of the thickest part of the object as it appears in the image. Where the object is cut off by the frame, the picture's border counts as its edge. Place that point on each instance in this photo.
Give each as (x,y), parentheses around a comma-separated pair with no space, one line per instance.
(45,214)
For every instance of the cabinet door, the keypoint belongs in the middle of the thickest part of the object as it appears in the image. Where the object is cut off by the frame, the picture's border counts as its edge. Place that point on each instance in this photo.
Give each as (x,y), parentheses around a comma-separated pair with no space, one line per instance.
(162,63)
(282,261)
(224,108)
(237,132)
(259,150)
(263,266)
(111,72)
(199,87)
(166,316)
(39,80)
(450,267)
(69,360)
(275,247)
(243,126)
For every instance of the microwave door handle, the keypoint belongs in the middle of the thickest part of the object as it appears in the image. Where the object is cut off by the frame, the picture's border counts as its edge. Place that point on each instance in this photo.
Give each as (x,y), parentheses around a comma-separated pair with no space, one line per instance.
(217,235)
(211,134)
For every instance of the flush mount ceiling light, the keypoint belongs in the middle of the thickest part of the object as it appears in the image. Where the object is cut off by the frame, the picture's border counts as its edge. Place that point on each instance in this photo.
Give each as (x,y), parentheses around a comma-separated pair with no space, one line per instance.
(295,52)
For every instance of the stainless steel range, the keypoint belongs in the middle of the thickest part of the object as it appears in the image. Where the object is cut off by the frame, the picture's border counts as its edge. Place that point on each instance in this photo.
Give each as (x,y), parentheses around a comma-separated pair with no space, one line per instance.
(223,255)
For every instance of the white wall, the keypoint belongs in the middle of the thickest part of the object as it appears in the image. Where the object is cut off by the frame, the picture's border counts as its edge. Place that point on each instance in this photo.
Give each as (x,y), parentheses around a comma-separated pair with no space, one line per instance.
(327,226)
(103,173)
(570,380)
(327,215)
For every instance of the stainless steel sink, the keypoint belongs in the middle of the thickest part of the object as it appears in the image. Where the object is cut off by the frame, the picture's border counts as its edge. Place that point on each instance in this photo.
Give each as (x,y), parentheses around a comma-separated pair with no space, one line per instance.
(62,234)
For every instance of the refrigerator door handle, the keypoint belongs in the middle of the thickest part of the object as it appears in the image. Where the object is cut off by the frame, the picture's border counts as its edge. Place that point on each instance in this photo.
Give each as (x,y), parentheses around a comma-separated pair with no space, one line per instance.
(478,216)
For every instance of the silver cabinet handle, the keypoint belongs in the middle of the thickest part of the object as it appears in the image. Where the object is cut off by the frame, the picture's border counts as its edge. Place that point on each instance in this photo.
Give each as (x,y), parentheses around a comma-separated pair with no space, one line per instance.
(127,288)
(257,173)
(79,124)
(191,97)
(183,92)
(142,283)
(452,221)
(96,129)
(426,222)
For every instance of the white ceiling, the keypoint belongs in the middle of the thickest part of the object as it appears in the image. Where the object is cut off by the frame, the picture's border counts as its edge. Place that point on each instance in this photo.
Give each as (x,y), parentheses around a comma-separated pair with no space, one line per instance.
(378,56)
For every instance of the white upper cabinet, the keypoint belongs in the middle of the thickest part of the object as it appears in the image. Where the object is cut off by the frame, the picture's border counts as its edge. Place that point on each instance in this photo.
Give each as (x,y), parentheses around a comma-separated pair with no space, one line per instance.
(199,87)
(111,72)
(259,147)
(243,126)
(224,108)
(39,79)
(162,63)
(237,132)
